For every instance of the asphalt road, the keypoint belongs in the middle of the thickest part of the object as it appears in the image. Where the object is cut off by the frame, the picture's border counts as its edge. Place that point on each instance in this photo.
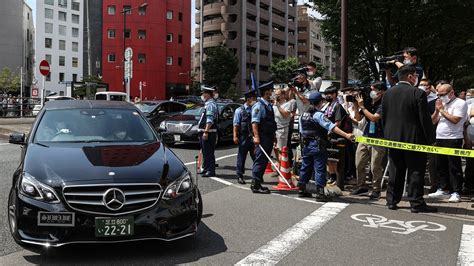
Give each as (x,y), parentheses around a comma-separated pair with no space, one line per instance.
(241,227)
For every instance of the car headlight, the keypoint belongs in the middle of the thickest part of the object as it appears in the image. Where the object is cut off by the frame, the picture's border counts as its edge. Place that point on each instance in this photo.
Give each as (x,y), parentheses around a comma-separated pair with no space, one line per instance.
(32,188)
(195,128)
(179,186)
(163,125)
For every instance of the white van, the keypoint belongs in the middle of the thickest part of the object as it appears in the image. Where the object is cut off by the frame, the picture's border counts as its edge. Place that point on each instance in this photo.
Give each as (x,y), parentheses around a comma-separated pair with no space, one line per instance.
(111,96)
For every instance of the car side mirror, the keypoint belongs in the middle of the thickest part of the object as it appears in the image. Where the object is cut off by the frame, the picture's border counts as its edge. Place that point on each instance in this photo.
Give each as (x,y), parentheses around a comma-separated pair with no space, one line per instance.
(161,112)
(17,138)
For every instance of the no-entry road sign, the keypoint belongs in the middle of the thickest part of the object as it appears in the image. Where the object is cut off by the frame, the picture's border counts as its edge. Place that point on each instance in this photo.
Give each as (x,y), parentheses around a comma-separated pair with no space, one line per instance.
(44,68)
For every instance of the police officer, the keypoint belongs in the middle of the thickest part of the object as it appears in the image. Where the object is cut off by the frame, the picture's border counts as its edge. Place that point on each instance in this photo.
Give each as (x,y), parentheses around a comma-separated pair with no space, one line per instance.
(243,133)
(314,127)
(263,128)
(208,131)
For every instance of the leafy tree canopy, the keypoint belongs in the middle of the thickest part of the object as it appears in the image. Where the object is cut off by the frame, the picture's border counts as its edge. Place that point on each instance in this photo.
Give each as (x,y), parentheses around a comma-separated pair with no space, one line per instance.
(220,67)
(9,82)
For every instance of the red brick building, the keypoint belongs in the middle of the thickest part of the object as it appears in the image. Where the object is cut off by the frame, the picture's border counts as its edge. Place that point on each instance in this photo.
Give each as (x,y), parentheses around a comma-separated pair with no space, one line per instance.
(159,32)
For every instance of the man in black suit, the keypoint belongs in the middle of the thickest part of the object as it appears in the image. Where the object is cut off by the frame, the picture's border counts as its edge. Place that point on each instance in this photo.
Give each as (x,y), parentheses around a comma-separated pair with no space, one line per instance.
(406,118)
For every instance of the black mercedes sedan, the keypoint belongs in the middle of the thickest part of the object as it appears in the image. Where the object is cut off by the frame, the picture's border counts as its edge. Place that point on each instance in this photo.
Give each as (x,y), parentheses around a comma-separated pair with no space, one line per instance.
(157,111)
(96,171)
(183,128)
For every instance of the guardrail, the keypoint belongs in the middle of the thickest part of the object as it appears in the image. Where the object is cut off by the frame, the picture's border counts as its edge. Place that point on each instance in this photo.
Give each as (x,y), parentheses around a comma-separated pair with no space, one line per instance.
(19,108)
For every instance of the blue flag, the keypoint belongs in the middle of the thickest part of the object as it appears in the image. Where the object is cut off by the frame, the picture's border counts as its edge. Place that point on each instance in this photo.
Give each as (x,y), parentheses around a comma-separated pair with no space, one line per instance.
(253,86)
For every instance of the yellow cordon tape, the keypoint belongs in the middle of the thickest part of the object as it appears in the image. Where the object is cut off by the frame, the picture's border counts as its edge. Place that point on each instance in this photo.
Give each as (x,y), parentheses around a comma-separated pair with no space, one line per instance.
(415,147)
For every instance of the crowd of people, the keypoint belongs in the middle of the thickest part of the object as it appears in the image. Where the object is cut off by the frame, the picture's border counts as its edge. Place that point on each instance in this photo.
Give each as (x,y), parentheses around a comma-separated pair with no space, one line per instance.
(407,108)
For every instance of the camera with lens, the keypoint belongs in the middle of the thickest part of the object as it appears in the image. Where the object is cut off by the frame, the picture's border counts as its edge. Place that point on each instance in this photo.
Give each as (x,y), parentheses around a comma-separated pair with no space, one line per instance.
(296,72)
(383,61)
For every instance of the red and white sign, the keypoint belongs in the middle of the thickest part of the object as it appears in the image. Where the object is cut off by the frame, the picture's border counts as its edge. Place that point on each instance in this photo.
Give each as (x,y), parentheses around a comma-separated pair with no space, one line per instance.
(44,68)
(34,92)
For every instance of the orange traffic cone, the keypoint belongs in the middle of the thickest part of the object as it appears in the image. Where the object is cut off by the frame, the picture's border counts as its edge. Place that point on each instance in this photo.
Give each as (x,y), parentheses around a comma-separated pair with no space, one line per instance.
(286,173)
(269,169)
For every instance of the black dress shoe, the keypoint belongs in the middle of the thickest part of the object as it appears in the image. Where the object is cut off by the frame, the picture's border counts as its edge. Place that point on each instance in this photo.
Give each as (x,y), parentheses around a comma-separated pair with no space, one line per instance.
(424,208)
(241,180)
(392,207)
(257,188)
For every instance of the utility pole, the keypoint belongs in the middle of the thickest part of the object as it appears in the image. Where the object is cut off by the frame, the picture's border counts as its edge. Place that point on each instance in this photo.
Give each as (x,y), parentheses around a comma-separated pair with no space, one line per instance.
(344,48)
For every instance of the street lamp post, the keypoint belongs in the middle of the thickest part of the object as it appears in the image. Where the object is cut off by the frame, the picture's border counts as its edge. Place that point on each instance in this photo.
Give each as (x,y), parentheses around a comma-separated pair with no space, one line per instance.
(124,12)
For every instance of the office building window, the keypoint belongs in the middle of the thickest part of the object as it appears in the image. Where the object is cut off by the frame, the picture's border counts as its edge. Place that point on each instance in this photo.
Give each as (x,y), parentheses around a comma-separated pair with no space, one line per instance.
(48,27)
(61,77)
(142,34)
(75,46)
(111,57)
(49,58)
(75,62)
(169,37)
(62,30)
(74,77)
(127,9)
(75,19)
(75,32)
(141,58)
(180,39)
(169,60)
(127,33)
(48,13)
(142,11)
(75,5)
(180,61)
(111,10)
(62,3)
(169,14)
(62,16)
(49,2)
(62,60)
(48,43)
(62,45)
(111,34)
(180,16)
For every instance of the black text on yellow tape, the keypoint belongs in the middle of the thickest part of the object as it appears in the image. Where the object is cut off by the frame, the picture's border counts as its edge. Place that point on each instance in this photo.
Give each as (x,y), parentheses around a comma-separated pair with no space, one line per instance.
(415,147)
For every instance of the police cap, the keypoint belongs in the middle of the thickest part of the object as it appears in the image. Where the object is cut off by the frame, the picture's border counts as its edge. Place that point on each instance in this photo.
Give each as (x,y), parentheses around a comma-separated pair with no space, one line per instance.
(265,87)
(250,93)
(207,89)
(315,97)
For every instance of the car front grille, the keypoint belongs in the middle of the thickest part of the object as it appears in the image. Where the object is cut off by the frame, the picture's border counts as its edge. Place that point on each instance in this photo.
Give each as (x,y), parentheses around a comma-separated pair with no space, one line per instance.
(178,128)
(93,198)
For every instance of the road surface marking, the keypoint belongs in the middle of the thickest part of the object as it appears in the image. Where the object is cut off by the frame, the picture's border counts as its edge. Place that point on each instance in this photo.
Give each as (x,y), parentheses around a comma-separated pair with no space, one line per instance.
(1,144)
(399,227)
(466,248)
(278,248)
(217,159)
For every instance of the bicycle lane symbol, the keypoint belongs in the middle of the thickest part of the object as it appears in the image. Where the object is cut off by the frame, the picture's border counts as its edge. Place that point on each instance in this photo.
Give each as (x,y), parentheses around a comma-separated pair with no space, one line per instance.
(397,226)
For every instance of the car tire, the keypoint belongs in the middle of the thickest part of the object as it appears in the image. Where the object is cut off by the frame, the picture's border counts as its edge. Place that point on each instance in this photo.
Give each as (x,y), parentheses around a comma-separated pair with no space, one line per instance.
(199,198)
(12,213)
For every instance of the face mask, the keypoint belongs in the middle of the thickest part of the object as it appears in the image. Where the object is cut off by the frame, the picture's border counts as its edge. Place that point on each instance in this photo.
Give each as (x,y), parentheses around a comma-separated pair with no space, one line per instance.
(374,95)
(216,95)
(328,98)
(407,62)
(310,73)
(444,99)
(203,98)
(422,87)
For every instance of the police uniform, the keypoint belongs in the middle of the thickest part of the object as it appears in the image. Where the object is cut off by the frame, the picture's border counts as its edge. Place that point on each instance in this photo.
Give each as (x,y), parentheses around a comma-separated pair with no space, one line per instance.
(262,114)
(314,127)
(243,120)
(209,115)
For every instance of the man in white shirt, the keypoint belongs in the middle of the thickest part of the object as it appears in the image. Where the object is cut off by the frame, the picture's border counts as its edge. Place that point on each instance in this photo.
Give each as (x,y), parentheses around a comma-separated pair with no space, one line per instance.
(284,111)
(450,114)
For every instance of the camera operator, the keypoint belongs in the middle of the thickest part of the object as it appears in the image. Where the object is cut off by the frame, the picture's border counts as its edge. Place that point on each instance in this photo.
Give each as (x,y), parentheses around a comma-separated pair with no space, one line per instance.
(365,152)
(410,57)
(314,81)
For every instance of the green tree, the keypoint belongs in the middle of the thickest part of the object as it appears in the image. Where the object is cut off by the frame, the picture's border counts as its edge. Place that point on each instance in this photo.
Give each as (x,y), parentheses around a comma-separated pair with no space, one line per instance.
(220,67)
(283,70)
(88,90)
(442,31)
(9,82)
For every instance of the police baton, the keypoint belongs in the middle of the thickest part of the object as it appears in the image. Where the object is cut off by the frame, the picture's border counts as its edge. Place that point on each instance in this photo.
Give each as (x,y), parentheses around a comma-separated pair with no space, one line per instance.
(278,170)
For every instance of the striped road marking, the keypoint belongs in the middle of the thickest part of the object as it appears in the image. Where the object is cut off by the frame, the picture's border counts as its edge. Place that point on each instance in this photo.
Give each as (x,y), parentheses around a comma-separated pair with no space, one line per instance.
(217,159)
(466,248)
(278,248)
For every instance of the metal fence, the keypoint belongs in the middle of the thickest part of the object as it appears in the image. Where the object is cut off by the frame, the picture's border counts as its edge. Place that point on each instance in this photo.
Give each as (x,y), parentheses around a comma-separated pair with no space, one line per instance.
(11,107)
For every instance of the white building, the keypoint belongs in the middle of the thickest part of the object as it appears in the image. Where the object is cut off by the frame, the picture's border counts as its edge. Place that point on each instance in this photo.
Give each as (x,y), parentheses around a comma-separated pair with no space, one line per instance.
(59,40)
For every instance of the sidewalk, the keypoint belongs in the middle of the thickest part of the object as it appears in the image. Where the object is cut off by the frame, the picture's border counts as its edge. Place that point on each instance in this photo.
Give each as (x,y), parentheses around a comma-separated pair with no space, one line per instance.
(10,125)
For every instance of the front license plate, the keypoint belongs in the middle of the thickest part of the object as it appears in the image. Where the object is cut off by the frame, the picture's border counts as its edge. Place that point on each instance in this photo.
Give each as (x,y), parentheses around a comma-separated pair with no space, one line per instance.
(116,226)
(177,138)
(56,219)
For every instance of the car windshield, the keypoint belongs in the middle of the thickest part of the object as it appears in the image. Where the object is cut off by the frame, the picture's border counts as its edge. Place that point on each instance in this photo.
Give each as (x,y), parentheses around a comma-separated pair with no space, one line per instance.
(194,111)
(146,107)
(93,125)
